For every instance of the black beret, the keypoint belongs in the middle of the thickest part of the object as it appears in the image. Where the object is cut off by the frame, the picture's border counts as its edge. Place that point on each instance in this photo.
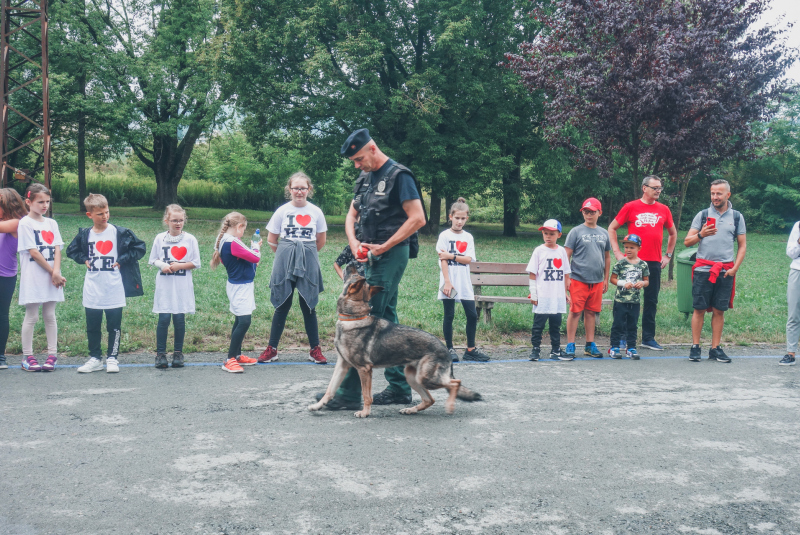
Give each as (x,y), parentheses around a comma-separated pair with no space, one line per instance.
(355,142)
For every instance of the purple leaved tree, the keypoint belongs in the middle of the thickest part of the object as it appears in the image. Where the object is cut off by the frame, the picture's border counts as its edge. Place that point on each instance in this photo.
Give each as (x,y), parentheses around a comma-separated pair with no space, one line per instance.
(665,87)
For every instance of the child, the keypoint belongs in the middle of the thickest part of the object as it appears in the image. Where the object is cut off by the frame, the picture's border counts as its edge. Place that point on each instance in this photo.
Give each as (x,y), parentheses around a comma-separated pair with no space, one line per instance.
(41,283)
(111,254)
(590,250)
(549,279)
(12,209)
(456,250)
(630,275)
(302,230)
(346,257)
(240,262)
(175,253)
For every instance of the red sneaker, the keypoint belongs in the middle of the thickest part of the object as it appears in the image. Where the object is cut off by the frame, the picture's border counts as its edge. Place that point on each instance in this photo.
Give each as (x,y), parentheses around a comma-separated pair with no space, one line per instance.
(232,366)
(269,355)
(244,360)
(315,355)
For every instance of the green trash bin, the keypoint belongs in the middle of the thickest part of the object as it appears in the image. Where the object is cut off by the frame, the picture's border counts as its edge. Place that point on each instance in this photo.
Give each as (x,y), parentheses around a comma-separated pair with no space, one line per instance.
(685,260)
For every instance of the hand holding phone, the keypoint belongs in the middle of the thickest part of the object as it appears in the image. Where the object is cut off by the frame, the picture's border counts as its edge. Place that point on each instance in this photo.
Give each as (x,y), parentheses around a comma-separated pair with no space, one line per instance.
(711,222)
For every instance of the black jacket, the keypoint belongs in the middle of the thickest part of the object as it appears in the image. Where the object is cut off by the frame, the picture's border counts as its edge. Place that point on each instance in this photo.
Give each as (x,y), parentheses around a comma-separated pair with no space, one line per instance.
(130,248)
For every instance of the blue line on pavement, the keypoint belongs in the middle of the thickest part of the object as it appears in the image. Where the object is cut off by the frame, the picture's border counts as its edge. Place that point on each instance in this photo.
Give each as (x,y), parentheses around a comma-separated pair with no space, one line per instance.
(503,361)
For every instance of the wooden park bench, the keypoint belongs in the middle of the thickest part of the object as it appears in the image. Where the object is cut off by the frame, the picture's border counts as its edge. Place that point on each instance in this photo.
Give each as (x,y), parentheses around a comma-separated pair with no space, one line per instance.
(500,274)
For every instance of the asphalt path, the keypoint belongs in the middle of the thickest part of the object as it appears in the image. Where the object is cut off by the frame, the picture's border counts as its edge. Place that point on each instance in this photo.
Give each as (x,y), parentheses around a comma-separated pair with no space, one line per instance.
(606,446)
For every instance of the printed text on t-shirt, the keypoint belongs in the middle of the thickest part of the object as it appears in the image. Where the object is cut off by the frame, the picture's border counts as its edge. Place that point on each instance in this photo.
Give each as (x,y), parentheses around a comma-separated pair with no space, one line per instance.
(177,252)
(647,219)
(47,236)
(293,231)
(106,262)
(456,249)
(551,272)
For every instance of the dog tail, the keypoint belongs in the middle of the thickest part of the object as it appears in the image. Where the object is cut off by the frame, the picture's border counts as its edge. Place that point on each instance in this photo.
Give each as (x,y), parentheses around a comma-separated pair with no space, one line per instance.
(464,393)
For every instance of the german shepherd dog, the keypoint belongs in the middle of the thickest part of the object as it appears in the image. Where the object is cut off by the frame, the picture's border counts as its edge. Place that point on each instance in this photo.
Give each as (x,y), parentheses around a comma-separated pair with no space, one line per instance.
(365,342)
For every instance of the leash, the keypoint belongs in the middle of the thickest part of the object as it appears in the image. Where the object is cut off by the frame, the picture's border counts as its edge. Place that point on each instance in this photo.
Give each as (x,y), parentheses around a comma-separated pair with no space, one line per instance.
(347,317)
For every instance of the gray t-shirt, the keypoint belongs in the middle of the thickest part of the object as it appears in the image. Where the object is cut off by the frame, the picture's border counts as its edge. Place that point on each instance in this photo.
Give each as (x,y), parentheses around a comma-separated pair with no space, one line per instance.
(720,246)
(589,246)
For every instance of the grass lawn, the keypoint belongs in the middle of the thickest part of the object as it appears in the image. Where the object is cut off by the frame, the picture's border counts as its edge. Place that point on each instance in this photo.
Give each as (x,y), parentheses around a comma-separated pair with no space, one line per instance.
(759,316)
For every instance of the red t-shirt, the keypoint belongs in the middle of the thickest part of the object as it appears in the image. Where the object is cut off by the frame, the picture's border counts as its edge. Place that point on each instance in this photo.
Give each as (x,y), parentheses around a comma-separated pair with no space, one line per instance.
(648,221)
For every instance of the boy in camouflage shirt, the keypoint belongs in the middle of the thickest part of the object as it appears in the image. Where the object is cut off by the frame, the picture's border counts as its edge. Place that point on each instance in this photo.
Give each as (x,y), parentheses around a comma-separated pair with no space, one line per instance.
(629,275)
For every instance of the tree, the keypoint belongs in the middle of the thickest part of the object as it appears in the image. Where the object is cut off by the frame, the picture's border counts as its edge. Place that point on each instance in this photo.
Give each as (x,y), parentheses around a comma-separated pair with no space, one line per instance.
(153,63)
(422,76)
(661,87)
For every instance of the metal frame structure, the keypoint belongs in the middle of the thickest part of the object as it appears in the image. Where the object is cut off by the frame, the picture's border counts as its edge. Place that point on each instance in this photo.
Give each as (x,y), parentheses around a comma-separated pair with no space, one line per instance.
(24,72)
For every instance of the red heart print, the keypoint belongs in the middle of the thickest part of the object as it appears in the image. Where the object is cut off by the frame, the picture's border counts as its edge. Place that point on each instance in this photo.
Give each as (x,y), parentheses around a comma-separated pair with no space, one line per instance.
(104,247)
(48,236)
(303,219)
(461,246)
(557,262)
(178,252)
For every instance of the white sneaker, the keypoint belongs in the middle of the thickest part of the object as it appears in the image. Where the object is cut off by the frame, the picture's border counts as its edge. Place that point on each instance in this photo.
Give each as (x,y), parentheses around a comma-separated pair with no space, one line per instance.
(94,364)
(112,365)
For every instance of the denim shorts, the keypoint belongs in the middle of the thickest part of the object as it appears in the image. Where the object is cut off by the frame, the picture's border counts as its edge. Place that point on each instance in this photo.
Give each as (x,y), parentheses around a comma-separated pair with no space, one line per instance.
(706,295)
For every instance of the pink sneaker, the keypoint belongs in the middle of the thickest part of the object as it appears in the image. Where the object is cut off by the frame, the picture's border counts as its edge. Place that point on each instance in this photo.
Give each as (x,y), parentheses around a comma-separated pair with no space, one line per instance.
(30,364)
(269,355)
(50,364)
(315,355)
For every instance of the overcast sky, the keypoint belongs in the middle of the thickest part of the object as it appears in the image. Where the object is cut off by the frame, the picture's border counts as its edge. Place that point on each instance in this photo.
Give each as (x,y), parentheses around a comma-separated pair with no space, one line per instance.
(790,8)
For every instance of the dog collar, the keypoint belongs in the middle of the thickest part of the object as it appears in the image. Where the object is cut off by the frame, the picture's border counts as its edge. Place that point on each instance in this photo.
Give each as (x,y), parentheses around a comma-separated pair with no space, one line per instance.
(345,317)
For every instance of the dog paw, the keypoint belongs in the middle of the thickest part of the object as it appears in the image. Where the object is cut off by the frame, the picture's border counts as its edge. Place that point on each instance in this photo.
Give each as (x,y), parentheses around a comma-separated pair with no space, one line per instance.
(409,410)
(361,414)
(449,408)
(315,406)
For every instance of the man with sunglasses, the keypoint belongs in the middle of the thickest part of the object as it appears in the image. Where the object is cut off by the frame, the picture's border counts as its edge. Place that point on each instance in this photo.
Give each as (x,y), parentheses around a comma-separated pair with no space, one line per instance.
(648,218)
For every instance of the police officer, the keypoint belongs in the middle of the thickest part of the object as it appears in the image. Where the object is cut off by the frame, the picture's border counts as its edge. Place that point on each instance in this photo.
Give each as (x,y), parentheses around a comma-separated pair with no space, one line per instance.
(387,200)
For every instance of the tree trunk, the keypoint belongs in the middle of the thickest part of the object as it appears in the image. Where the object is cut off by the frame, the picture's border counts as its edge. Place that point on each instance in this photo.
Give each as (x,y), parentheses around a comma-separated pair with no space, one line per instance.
(448,202)
(511,193)
(166,190)
(82,189)
(684,185)
(435,215)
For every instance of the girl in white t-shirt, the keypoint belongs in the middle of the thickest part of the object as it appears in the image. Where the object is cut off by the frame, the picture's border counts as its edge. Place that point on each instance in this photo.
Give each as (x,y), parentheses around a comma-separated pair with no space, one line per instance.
(41,283)
(175,253)
(456,250)
(301,228)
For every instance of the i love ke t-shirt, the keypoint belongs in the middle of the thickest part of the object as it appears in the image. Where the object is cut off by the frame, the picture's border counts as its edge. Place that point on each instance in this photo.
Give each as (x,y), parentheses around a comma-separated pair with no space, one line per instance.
(102,286)
(459,244)
(297,223)
(36,284)
(174,291)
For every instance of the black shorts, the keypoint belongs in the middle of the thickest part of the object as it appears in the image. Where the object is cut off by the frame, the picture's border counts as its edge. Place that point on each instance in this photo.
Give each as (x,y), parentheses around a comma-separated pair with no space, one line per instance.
(706,295)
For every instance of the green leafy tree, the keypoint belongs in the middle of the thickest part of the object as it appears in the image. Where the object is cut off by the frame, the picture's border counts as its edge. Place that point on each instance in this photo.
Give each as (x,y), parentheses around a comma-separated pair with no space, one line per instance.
(422,76)
(153,63)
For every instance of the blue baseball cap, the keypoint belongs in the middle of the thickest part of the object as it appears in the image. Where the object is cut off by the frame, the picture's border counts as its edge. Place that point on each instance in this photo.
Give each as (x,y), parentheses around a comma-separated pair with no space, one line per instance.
(633,238)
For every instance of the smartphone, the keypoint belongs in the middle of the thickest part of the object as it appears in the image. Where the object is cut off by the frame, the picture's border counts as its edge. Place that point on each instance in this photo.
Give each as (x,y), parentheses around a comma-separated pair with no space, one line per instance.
(711,222)
(453,292)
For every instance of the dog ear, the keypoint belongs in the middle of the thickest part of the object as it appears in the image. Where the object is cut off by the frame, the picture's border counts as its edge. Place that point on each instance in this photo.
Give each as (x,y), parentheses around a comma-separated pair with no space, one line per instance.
(356,287)
(351,269)
(373,290)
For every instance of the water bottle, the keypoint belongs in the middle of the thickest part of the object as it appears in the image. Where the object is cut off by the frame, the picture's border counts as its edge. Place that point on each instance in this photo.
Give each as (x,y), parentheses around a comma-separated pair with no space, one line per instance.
(255,241)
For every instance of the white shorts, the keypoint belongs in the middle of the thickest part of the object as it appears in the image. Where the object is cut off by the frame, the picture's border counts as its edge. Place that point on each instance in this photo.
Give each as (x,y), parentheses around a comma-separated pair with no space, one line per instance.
(242,298)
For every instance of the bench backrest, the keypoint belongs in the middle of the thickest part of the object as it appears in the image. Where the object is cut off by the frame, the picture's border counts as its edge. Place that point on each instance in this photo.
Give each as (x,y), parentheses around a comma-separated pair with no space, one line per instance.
(498,274)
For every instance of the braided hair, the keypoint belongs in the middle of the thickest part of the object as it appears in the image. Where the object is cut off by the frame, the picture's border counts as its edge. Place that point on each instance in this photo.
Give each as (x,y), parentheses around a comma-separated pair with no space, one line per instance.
(233,219)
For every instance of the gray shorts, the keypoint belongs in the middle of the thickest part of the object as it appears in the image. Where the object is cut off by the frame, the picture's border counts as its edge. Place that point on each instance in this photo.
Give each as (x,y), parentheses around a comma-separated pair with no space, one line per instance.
(706,295)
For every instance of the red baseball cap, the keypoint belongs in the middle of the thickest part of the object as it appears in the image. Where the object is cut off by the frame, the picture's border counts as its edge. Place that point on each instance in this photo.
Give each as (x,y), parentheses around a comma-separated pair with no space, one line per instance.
(592,204)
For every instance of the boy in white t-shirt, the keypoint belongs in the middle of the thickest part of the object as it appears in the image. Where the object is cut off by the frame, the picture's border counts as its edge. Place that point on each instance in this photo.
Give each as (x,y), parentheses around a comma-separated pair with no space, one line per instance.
(549,272)
(111,255)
